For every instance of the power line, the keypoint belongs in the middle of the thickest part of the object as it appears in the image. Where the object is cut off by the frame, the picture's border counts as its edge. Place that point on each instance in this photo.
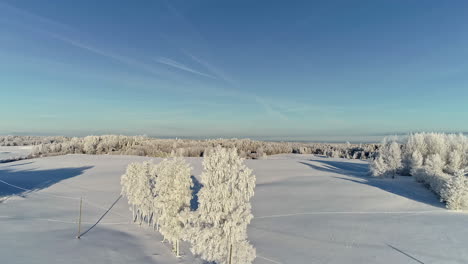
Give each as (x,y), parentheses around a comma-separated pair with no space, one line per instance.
(120,196)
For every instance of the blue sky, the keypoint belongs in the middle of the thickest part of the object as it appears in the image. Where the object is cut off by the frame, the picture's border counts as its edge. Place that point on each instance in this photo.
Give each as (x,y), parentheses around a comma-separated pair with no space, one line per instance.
(260,69)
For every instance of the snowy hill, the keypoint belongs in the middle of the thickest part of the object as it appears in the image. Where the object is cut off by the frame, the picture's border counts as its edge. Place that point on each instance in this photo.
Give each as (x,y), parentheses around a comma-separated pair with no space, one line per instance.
(307,210)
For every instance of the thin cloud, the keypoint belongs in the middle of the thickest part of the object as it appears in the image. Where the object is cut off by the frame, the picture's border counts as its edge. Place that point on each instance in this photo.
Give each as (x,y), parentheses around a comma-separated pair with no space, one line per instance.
(269,109)
(223,76)
(218,72)
(180,66)
(35,24)
(116,57)
(232,84)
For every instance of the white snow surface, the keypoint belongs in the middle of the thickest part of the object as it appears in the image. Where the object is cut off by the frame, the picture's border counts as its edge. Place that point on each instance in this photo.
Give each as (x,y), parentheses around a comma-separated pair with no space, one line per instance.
(307,209)
(11,152)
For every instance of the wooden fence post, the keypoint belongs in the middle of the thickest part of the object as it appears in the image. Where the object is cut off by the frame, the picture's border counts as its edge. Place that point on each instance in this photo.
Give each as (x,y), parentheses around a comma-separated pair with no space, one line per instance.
(177,248)
(230,254)
(79,219)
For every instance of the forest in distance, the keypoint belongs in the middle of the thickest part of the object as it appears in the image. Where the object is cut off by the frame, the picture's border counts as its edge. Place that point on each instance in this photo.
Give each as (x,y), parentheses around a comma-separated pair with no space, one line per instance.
(155,147)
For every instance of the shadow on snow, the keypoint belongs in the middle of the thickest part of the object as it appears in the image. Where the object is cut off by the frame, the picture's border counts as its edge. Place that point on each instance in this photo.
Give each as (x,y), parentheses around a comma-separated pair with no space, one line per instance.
(33,180)
(403,185)
(195,189)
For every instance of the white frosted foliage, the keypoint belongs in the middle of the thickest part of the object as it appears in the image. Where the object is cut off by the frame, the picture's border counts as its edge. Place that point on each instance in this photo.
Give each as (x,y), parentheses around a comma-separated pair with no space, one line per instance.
(174,195)
(378,166)
(224,209)
(388,161)
(415,162)
(455,193)
(434,159)
(138,185)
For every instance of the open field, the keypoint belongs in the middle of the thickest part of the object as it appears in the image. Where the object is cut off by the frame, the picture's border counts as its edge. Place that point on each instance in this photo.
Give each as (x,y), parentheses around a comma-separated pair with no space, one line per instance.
(307,209)
(14,152)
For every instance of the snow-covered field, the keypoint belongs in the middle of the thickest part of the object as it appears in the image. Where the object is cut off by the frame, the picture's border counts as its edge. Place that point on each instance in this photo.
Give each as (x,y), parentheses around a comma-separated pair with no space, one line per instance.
(307,209)
(14,152)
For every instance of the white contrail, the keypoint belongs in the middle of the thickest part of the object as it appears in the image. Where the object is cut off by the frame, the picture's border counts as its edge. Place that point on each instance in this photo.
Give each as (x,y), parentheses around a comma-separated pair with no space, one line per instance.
(46,27)
(180,66)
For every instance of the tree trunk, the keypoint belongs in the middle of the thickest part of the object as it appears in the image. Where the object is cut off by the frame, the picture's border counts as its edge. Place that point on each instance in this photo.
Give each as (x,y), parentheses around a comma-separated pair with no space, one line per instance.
(230,254)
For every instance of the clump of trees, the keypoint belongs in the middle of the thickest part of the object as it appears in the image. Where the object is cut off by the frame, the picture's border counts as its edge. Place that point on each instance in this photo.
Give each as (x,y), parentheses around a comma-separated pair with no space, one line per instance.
(160,194)
(439,161)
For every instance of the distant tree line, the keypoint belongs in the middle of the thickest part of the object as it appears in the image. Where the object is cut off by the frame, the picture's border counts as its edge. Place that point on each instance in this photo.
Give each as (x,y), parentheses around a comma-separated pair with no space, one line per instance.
(29,140)
(153,147)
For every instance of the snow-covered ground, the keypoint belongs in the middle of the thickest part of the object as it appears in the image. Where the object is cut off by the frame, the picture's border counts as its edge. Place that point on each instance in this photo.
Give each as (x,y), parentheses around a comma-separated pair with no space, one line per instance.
(12,152)
(307,210)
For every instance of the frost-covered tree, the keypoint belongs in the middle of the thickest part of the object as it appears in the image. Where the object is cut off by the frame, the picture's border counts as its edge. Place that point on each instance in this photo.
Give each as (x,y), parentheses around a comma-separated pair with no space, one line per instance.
(415,164)
(173,200)
(434,164)
(388,161)
(378,167)
(90,144)
(432,173)
(394,158)
(128,183)
(138,185)
(455,192)
(455,162)
(147,191)
(219,226)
